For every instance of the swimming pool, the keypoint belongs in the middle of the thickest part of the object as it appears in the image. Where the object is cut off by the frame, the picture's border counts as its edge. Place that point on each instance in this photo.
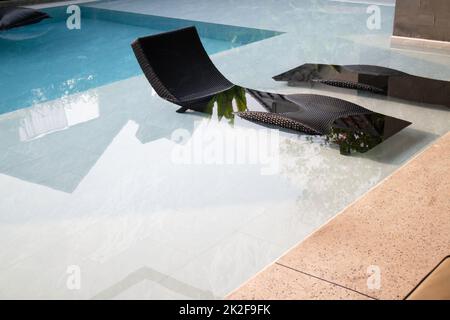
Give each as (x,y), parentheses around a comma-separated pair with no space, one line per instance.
(92,183)
(47,61)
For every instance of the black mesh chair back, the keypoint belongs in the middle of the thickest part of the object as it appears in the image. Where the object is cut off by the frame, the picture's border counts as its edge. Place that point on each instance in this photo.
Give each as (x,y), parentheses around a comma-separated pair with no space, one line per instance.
(178,67)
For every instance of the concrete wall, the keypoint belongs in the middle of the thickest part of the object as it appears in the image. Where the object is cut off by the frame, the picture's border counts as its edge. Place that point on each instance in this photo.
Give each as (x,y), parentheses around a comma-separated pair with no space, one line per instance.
(426,19)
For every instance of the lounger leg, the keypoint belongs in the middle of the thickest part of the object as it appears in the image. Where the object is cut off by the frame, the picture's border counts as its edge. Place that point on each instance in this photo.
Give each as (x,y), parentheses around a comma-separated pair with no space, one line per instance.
(182,110)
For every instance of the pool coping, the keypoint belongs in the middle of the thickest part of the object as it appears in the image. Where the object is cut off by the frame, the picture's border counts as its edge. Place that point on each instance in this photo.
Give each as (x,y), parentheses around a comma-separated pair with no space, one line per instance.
(395,242)
(24,2)
(40,3)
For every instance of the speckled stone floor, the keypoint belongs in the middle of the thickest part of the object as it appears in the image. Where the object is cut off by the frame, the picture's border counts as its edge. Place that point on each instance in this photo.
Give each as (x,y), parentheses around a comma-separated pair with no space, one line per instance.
(379,247)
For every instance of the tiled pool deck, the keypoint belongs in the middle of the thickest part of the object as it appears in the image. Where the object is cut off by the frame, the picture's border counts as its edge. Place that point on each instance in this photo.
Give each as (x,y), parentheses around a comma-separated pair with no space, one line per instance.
(105,196)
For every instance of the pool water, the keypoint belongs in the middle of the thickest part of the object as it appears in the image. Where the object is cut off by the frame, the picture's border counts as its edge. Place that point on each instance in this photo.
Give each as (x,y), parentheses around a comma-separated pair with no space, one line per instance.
(46,61)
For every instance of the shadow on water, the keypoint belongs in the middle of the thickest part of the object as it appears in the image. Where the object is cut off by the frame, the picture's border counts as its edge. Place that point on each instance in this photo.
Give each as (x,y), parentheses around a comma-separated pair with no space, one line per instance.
(148,274)
(56,144)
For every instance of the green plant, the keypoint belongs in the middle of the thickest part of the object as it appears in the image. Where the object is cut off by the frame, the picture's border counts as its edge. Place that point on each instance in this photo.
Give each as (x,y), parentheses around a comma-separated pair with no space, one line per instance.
(224,103)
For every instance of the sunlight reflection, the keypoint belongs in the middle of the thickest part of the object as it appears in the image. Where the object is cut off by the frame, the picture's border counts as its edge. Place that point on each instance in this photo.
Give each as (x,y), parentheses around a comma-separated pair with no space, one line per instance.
(58,115)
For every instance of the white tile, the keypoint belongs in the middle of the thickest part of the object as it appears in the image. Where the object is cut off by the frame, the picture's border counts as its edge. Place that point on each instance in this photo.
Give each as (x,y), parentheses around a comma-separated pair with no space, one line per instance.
(223,267)
(47,250)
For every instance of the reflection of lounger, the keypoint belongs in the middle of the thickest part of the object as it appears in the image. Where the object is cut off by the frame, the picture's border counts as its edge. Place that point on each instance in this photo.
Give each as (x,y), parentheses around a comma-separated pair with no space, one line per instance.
(179,69)
(436,286)
(13,17)
(374,79)
(19,34)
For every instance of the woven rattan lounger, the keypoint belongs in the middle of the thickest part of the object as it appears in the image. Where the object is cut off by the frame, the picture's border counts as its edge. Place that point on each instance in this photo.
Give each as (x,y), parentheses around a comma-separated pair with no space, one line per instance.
(179,69)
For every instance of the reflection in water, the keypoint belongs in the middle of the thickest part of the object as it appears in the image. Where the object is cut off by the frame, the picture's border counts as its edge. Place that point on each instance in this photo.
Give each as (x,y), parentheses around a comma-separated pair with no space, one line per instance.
(19,34)
(37,148)
(374,79)
(40,121)
(325,182)
(47,118)
(349,141)
(57,143)
(370,131)
(351,126)
(65,88)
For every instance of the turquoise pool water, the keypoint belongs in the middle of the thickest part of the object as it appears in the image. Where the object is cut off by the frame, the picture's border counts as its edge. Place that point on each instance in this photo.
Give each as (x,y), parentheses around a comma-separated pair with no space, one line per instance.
(46,61)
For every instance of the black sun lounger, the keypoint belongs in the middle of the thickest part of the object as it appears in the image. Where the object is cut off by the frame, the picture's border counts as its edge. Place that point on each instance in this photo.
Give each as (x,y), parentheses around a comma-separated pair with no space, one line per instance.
(373,79)
(179,69)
